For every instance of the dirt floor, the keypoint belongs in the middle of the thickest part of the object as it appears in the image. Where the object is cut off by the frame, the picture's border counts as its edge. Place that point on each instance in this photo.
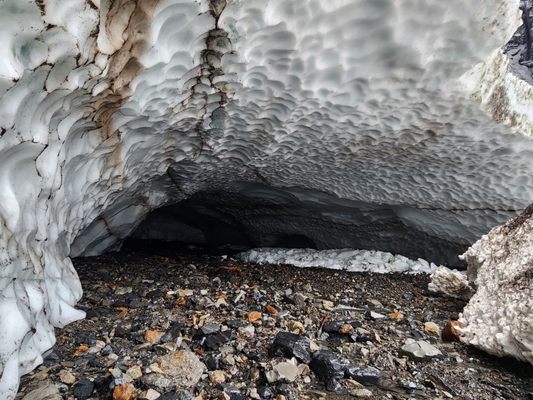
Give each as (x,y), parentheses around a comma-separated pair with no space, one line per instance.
(219,317)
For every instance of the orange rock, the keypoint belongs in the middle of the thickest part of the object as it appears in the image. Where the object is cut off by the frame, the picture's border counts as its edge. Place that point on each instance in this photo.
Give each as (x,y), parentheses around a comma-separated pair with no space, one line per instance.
(153,336)
(346,329)
(122,310)
(254,316)
(450,333)
(271,310)
(234,268)
(396,315)
(124,392)
(81,349)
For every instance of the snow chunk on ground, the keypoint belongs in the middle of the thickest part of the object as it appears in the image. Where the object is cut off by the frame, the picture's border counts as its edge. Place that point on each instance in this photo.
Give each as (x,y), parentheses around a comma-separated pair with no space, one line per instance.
(344,259)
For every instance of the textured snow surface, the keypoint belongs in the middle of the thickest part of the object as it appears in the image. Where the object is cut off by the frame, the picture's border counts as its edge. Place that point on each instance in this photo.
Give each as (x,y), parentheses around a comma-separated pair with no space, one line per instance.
(110,109)
(499,317)
(345,259)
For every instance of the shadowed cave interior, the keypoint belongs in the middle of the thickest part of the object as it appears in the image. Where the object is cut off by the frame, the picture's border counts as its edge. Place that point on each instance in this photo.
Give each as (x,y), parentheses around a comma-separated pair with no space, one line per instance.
(219,222)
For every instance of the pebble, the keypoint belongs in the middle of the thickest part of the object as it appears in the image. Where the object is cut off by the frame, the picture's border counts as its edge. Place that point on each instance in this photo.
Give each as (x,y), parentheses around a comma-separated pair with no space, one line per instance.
(328,305)
(287,371)
(376,315)
(431,327)
(419,349)
(150,394)
(66,377)
(362,393)
(217,377)
(296,327)
(134,373)
(124,392)
(254,316)
(153,336)
(450,333)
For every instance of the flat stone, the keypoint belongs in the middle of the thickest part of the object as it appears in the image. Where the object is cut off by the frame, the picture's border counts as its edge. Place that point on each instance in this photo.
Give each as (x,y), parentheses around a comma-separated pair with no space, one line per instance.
(420,349)
(217,376)
(150,394)
(179,368)
(287,371)
(66,377)
(366,375)
(46,391)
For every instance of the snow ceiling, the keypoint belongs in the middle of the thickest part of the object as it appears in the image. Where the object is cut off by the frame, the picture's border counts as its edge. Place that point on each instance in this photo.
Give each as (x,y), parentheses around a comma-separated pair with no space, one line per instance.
(111,109)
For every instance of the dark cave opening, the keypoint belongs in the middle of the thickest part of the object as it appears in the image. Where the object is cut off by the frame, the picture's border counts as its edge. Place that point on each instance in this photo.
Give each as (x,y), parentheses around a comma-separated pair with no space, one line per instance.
(228,222)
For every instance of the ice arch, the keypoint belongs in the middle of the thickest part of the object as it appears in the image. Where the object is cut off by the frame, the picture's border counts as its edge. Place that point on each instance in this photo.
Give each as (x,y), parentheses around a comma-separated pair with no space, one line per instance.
(110,109)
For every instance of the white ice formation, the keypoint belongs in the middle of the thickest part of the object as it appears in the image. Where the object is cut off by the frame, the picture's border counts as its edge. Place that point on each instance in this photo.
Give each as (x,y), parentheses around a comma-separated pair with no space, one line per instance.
(344,259)
(451,282)
(111,109)
(499,317)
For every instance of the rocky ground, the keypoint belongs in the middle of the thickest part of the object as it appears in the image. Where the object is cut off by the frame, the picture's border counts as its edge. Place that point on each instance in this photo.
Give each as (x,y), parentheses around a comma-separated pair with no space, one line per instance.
(203,327)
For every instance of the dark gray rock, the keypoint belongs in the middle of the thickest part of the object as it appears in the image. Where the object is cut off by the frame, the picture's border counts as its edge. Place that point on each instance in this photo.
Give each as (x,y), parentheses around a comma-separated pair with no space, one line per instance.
(83,389)
(327,365)
(290,345)
(366,375)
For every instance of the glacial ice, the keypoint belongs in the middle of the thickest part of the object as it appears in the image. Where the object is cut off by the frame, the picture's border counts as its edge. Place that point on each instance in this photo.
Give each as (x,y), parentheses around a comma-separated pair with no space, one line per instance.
(111,109)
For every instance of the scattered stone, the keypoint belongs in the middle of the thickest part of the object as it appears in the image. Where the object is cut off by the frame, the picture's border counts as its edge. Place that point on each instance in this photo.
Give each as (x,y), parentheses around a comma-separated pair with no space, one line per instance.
(287,371)
(376,315)
(184,292)
(83,389)
(287,344)
(111,350)
(420,349)
(150,394)
(328,305)
(248,330)
(366,375)
(179,368)
(134,373)
(333,385)
(431,327)
(265,392)
(66,377)
(153,336)
(46,391)
(328,365)
(450,333)
(296,327)
(210,328)
(362,393)
(396,315)
(271,310)
(217,377)
(345,327)
(254,316)
(124,392)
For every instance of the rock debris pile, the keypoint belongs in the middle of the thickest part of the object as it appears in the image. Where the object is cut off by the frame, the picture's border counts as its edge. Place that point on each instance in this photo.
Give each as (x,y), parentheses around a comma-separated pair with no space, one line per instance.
(199,327)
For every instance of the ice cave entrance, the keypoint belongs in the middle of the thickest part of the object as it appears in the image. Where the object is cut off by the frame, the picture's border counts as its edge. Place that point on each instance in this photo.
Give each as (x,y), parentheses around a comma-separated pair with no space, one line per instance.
(252,215)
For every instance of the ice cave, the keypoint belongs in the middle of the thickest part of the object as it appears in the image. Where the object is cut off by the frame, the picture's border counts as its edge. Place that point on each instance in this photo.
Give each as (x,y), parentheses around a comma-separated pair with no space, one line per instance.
(401,126)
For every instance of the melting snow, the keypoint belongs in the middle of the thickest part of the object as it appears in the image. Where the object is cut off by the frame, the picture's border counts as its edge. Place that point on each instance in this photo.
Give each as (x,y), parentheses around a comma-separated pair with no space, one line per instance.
(344,259)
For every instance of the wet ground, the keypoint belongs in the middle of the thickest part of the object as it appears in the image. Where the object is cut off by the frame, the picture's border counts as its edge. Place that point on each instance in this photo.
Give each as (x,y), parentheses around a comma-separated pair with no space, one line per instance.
(193,326)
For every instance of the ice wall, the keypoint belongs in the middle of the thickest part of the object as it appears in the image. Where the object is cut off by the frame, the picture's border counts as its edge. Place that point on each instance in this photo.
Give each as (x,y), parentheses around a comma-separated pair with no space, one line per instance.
(109,109)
